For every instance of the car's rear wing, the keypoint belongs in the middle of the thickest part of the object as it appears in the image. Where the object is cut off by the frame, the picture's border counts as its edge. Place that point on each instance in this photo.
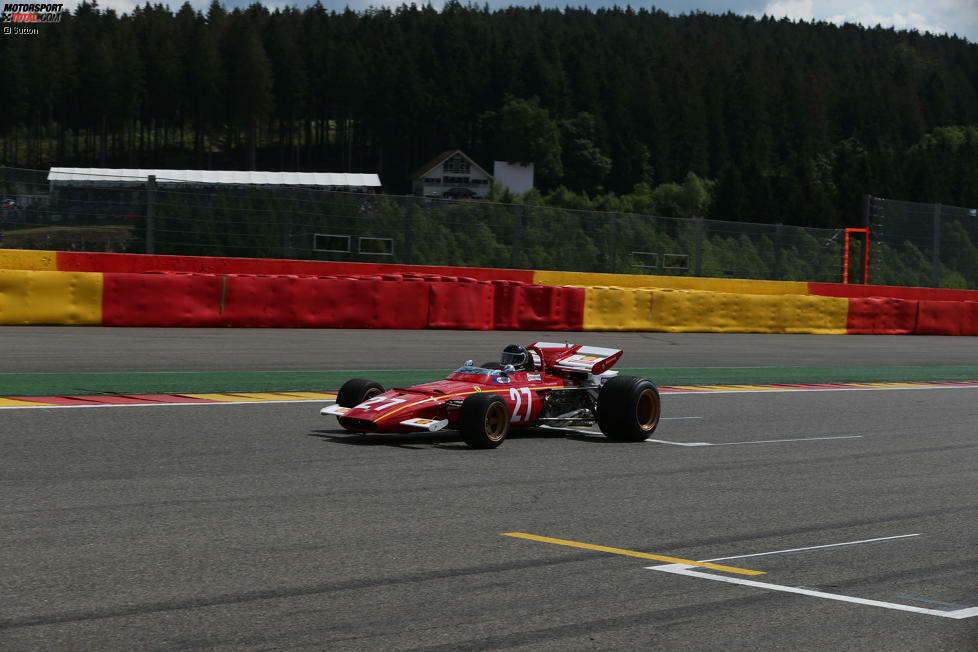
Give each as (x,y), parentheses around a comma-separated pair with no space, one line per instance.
(593,360)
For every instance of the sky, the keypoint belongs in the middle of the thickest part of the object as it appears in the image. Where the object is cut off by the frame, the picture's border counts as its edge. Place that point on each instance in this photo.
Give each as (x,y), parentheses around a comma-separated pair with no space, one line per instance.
(959,17)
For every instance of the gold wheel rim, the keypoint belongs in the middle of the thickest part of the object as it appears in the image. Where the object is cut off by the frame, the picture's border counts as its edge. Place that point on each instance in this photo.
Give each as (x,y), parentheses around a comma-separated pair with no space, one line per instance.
(495,424)
(647,409)
(370,393)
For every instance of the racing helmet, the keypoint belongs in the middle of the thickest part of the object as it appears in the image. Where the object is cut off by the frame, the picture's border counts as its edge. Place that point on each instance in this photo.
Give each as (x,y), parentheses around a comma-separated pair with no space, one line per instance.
(517,356)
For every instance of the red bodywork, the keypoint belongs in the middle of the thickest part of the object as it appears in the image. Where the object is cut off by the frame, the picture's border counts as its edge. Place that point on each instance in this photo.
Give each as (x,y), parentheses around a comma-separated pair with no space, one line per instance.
(523,391)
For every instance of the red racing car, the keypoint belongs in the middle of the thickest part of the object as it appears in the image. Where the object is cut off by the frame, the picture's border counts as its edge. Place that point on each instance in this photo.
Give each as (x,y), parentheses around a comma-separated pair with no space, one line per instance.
(543,384)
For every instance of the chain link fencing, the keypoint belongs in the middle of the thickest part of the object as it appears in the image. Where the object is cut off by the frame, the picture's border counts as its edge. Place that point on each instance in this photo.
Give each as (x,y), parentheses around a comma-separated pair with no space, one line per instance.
(923,245)
(139,215)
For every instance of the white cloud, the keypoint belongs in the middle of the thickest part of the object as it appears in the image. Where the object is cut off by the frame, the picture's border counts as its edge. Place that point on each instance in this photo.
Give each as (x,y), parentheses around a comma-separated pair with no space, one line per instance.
(792,9)
(870,17)
(119,6)
(937,16)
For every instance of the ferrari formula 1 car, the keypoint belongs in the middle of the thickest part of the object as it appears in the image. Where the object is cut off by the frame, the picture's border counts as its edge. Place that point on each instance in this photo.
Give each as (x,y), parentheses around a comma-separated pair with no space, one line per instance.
(543,384)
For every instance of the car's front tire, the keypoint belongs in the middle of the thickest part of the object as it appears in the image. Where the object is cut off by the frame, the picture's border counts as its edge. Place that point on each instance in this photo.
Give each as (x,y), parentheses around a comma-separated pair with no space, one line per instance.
(483,420)
(357,390)
(628,408)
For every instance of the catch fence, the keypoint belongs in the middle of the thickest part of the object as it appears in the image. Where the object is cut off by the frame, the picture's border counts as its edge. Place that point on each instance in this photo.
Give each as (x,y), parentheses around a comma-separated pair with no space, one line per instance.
(138,215)
(923,245)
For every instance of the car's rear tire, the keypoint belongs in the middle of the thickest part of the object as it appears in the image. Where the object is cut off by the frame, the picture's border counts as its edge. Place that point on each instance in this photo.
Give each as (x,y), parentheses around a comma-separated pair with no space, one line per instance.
(628,408)
(357,390)
(483,420)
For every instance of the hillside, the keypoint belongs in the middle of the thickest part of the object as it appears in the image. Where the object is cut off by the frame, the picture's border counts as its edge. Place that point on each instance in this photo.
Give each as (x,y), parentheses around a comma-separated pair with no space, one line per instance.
(794,121)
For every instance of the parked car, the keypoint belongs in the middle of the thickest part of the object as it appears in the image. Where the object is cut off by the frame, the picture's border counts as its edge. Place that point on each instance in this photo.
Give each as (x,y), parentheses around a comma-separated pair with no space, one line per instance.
(459,193)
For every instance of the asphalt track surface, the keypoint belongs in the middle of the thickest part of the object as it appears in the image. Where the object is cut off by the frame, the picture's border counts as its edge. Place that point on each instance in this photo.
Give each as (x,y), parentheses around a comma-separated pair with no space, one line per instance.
(27,349)
(262,526)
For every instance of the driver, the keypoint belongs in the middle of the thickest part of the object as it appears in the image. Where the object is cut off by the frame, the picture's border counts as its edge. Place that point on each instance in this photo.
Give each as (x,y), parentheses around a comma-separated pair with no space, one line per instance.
(517,356)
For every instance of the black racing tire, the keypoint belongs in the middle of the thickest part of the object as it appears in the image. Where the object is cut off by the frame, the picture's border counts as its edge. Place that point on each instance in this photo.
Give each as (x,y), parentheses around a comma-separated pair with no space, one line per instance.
(491,365)
(357,390)
(628,408)
(483,420)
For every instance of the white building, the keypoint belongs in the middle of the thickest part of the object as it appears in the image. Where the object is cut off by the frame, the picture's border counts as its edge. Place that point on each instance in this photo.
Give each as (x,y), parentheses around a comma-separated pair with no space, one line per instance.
(129,177)
(453,175)
(514,177)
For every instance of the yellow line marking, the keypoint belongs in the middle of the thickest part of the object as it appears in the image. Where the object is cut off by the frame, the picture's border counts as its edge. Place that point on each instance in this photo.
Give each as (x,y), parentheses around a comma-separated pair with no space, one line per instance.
(757,388)
(11,402)
(265,396)
(326,396)
(739,388)
(718,388)
(633,553)
(228,398)
(892,384)
(727,388)
(223,398)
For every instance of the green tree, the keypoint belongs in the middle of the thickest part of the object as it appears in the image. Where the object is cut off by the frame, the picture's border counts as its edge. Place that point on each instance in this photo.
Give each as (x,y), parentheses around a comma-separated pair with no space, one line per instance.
(585,164)
(249,87)
(205,81)
(526,133)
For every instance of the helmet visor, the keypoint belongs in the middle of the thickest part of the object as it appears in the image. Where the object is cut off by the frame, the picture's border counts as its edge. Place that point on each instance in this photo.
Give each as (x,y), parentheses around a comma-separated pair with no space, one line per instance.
(514,358)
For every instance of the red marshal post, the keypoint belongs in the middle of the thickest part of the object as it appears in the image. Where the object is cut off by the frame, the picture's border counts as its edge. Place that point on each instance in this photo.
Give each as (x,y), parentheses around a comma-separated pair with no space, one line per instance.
(845,255)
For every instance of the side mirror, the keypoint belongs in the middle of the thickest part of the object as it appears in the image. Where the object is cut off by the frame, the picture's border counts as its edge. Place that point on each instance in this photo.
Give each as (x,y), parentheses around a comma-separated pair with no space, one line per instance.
(468,363)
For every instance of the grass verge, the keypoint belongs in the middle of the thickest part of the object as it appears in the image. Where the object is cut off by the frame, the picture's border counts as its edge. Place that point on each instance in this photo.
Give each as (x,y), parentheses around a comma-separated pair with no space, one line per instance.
(71,384)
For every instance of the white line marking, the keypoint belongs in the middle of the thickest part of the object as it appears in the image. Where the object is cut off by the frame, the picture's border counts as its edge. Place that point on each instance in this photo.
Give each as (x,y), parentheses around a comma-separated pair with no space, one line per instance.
(948,606)
(830,545)
(679,443)
(118,405)
(736,443)
(682,569)
(777,441)
(677,418)
(706,392)
(964,613)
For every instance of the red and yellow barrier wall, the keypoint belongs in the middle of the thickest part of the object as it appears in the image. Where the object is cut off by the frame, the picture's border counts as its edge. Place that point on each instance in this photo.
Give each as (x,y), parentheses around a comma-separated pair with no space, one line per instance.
(46,287)
(71,261)
(684,311)
(41,297)
(392,301)
(75,261)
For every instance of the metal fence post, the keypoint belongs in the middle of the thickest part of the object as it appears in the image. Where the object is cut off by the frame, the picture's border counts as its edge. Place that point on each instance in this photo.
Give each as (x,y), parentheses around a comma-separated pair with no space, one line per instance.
(867,214)
(700,232)
(287,250)
(150,212)
(514,262)
(936,260)
(778,251)
(408,233)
